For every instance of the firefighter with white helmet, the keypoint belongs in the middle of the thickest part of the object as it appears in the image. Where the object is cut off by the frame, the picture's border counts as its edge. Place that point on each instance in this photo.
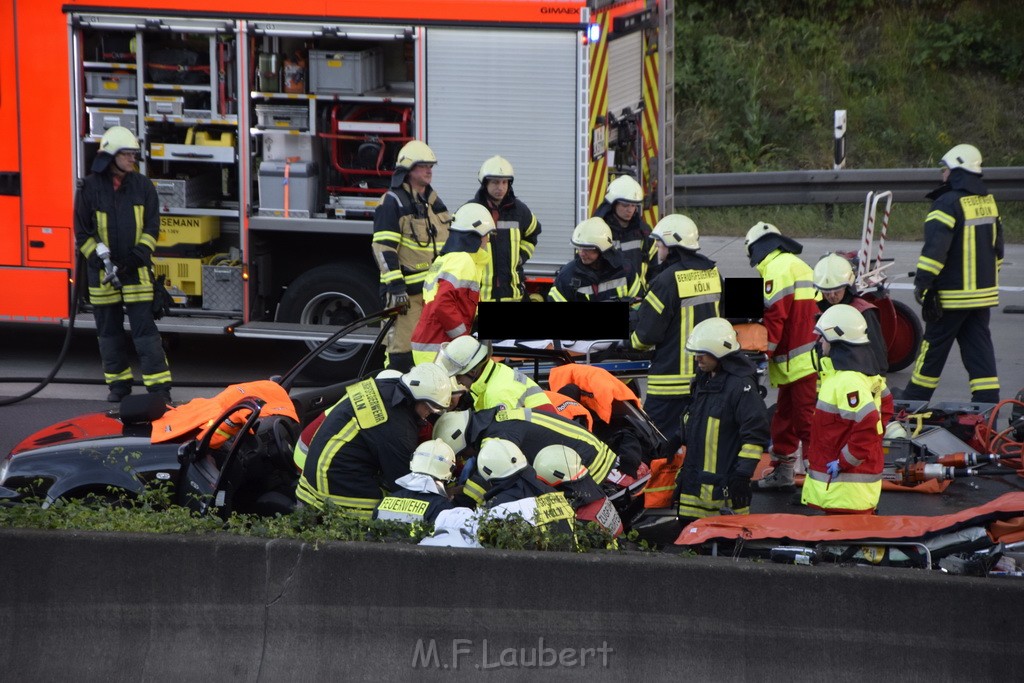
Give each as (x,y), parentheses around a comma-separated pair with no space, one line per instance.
(845,459)
(790,307)
(515,240)
(410,227)
(622,210)
(490,384)
(117,223)
(726,428)
(599,271)
(362,447)
(561,468)
(834,278)
(686,290)
(420,496)
(957,280)
(451,291)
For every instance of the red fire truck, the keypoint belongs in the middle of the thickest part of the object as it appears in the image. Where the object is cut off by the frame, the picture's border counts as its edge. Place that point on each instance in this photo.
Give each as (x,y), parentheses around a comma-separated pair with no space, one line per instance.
(270,130)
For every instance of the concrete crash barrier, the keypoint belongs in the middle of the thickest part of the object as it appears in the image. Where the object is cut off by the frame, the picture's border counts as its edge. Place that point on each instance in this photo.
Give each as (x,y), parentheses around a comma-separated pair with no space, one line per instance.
(97,606)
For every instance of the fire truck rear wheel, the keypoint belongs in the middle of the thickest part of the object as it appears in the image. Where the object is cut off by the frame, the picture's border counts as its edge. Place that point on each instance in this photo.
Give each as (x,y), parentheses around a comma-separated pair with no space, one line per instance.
(332,295)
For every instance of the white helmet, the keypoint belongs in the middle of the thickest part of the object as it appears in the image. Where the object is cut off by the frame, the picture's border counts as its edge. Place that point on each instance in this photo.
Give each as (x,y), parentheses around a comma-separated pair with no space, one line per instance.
(624,189)
(462,354)
(499,458)
(895,430)
(842,323)
(473,217)
(593,233)
(429,383)
(116,139)
(966,157)
(496,167)
(757,232)
(415,152)
(452,427)
(556,464)
(714,336)
(676,230)
(832,272)
(434,458)
(389,373)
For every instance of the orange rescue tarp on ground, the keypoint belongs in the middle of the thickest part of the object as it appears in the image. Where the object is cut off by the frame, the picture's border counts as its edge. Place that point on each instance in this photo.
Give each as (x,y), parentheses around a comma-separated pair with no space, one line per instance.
(199,412)
(846,527)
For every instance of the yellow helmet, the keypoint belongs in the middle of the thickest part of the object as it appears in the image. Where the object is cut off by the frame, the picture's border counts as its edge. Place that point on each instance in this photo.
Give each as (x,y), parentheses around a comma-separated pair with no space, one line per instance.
(473,217)
(593,233)
(842,323)
(429,383)
(116,139)
(624,189)
(832,272)
(676,230)
(499,458)
(557,463)
(496,167)
(966,157)
(462,354)
(757,232)
(434,458)
(451,428)
(714,336)
(415,152)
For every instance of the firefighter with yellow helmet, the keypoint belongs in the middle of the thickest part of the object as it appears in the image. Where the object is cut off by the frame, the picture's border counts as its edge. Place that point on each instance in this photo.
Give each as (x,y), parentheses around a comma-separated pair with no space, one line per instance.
(599,271)
(516,235)
(834,278)
(409,229)
(117,223)
(490,384)
(622,210)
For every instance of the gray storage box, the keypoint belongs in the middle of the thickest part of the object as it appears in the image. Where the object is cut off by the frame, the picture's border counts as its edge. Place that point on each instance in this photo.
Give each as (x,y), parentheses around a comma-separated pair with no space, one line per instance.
(106,84)
(222,288)
(164,105)
(345,73)
(282,145)
(283,116)
(303,188)
(102,119)
(190,192)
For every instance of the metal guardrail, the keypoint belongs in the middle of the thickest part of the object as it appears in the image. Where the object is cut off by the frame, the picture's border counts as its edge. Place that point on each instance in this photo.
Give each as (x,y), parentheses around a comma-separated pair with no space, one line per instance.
(848,186)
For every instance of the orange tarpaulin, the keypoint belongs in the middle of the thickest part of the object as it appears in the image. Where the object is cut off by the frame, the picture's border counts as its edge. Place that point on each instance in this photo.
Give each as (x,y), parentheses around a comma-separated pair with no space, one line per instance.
(197,413)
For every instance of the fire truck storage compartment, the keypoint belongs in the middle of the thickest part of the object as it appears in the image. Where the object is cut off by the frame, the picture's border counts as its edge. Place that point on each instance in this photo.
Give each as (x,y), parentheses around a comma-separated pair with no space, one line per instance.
(282,116)
(345,72)
(222,288)
(294,196)
(102,119)
(364,145)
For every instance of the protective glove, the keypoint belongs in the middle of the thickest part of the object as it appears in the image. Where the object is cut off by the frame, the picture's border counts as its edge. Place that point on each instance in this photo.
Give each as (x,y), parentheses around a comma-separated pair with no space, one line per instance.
(832,468)
(739,491)
(919,294)
(138,258)
(398,296)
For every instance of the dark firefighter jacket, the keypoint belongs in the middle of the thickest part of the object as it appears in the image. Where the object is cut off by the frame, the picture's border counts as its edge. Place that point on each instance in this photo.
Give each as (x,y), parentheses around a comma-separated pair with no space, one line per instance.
(612,280)
(726,430)
(510,247)
(633,240)
(524,495)
(408,234)
(418,499)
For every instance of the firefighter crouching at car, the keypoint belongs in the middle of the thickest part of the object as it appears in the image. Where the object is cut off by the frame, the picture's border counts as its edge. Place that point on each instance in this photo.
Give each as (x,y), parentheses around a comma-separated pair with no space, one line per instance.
(363,445)
(789,311)
(531,430)
(561,468)
(957,281)
(726,427)
(515,239)
(452,288)
(834,278)
(409,228)
(845,459)
(686,290)
(117,209)
(599,271)
(621,211)
(420,496)
(490,384)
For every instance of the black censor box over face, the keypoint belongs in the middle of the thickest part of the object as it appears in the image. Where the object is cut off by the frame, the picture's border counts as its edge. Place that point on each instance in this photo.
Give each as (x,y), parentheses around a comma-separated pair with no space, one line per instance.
(586,321)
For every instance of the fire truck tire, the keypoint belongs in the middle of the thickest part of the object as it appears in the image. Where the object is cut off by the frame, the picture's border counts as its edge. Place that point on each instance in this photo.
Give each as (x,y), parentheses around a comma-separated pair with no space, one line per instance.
(905,337)
(332,295)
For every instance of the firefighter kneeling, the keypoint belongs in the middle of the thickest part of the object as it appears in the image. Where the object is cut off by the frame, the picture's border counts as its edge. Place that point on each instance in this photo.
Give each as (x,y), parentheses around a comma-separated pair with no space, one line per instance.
(845,456)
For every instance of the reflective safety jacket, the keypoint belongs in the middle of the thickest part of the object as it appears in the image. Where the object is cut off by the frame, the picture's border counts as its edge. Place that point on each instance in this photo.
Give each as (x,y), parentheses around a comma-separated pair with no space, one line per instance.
(633,240)
(408,234)
(450,297)
(502,386)
(726,432)
(875,334)
(963,244)
(847,425)
(686,291)
(790,311)
(532,430)
(613,280)
(360,449)
(126,219)
(419,499)
(510,247)
(525,496)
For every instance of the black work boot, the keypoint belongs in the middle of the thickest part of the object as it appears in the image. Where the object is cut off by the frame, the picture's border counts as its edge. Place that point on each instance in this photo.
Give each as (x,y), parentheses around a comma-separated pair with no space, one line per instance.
(118,390)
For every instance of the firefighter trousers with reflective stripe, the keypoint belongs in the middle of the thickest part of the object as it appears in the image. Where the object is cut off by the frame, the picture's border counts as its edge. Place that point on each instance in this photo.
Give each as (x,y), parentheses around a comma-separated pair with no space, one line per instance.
(969,327)
(156,375)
